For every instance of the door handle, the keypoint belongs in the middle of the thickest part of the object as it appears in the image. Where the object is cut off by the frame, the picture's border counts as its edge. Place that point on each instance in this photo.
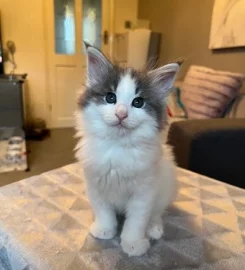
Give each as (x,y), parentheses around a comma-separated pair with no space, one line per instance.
(106,37)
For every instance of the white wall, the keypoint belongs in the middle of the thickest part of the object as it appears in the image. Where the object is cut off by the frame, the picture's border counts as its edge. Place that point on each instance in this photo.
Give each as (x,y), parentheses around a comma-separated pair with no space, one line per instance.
(125,10)
(22,22)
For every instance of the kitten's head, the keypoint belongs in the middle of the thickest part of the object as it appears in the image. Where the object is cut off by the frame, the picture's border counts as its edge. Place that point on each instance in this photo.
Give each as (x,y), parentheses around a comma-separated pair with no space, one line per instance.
(118,100)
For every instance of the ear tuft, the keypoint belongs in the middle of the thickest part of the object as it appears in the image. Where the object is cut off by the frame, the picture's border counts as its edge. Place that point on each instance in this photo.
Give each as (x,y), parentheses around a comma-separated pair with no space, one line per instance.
(86,44)
(180,60)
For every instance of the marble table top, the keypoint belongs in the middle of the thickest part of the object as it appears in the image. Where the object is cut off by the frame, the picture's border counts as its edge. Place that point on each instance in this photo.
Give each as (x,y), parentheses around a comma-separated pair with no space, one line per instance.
(44,223)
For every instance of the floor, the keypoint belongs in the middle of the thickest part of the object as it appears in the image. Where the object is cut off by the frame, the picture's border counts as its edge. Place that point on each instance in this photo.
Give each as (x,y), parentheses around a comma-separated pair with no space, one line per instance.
(53,152)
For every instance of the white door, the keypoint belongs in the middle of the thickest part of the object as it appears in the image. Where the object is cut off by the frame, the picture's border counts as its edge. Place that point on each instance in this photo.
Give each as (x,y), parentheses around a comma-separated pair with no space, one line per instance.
(68,23)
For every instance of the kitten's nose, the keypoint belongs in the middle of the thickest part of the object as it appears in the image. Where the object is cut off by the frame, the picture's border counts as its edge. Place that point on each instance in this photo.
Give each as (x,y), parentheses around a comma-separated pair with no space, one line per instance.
(121,112)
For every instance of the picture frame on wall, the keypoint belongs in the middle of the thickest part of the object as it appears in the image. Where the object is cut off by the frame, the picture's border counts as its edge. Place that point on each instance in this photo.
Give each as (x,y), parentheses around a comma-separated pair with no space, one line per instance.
(228,24)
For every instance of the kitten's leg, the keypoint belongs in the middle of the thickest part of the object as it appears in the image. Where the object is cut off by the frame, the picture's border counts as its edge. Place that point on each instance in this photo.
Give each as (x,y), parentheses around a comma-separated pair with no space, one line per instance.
(155,227)
(167,187)
(105,224)
(133,239)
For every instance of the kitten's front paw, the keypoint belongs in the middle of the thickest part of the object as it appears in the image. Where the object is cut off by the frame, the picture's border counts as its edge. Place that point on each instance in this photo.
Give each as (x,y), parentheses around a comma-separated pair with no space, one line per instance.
(135,248)
(101,232)
(155,231)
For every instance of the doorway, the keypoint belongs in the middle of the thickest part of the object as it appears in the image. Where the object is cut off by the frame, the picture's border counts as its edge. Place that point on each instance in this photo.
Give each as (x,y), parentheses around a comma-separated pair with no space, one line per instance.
(68,23)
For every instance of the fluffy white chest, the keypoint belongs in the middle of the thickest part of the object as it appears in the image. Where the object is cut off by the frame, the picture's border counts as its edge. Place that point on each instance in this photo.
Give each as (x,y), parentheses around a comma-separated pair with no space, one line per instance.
(116,170)
(115,160)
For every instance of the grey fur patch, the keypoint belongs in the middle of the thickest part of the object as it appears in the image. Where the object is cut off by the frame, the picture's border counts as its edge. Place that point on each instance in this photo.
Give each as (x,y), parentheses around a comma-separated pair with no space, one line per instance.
(154,105)
(97,91)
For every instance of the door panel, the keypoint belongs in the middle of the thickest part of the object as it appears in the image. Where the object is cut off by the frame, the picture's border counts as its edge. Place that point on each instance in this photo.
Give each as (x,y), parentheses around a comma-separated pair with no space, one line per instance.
(68,22)
(65,74)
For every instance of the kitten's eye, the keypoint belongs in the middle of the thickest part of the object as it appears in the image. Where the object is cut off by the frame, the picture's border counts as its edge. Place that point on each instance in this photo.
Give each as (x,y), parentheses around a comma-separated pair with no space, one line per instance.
(138,102)
(111,98)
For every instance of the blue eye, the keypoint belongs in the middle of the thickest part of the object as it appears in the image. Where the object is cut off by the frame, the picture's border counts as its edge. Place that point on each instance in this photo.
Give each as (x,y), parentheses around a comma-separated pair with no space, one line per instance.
(138,102)
(111,98)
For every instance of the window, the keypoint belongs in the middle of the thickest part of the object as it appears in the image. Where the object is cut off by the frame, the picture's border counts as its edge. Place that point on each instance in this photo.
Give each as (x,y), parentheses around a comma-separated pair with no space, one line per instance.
(65,38)
(91,22)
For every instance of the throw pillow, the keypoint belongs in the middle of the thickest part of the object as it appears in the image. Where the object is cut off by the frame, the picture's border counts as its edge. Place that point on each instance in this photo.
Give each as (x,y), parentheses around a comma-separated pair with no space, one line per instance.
(207,92)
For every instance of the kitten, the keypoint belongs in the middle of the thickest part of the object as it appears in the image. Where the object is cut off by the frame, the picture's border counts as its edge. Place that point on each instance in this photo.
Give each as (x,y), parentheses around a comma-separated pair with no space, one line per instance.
(120,118)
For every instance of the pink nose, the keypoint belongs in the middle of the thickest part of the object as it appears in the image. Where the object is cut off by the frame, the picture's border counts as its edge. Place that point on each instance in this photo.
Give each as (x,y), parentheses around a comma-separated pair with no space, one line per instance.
(121,112)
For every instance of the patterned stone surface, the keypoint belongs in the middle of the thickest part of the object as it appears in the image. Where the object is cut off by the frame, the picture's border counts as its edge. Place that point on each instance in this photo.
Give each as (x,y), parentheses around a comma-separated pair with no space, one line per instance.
(44,223)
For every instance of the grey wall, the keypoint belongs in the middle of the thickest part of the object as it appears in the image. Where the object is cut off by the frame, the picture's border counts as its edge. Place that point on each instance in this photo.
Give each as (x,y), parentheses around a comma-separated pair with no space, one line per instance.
(185,28)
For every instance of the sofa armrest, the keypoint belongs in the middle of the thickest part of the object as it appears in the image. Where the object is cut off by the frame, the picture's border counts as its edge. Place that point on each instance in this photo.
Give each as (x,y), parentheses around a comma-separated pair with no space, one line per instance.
(213,147)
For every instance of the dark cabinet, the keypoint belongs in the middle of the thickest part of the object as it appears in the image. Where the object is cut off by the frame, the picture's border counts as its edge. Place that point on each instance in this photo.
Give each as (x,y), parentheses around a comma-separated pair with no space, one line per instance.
(11,101)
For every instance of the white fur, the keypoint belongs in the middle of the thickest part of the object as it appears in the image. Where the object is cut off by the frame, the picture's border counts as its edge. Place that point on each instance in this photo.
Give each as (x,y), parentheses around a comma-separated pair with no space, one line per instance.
(126,170)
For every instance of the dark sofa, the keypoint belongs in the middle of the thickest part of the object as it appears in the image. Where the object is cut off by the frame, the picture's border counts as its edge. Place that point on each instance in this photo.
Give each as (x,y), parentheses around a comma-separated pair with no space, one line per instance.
(215,148)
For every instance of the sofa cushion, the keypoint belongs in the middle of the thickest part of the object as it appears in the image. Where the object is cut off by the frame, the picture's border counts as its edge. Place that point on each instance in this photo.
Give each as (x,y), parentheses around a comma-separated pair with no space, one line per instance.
(207,92)
(213,147)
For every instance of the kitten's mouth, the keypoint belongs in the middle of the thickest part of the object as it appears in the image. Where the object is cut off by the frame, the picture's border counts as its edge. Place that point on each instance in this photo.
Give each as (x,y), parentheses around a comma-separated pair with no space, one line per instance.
(120,125)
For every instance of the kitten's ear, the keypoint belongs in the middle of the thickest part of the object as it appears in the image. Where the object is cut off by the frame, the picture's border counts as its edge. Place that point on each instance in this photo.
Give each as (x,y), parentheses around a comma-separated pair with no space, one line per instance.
(163,78)
(98,65)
